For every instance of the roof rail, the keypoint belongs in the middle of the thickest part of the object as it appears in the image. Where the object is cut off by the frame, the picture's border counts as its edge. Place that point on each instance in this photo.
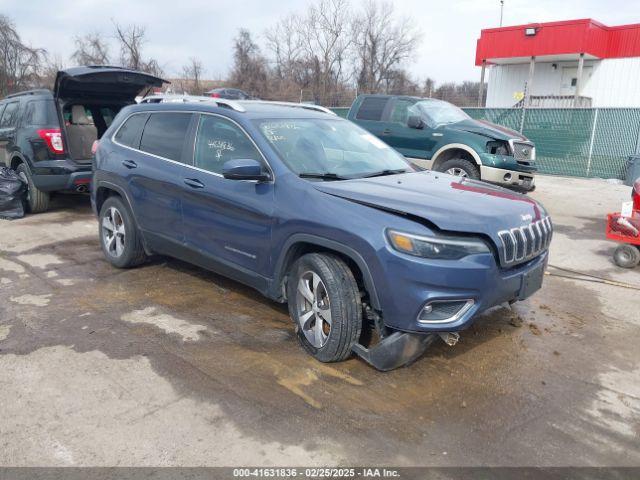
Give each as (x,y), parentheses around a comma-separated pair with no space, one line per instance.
(29,92)
(177,98)
(306,106)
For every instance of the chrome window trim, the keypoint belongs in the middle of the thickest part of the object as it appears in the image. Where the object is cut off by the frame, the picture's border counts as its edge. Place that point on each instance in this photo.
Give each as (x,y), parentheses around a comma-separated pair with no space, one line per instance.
(193,167)
(465,308)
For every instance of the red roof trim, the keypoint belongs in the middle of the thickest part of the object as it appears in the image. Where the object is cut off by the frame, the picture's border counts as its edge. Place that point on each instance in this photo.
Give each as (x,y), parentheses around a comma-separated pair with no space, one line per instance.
(555,38)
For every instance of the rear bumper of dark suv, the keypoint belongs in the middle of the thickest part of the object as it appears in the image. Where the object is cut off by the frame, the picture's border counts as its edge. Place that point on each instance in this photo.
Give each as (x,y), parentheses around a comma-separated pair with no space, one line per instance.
(56,175)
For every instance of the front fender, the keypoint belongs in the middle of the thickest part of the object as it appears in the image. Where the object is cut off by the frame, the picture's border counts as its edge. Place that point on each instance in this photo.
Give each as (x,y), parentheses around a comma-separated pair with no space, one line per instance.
(305,238)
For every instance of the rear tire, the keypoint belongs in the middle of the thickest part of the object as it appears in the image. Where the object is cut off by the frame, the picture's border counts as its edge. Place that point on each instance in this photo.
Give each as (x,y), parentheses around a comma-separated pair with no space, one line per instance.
(460,167)
(627,256)
(119,237)
(37,200)
(324,302)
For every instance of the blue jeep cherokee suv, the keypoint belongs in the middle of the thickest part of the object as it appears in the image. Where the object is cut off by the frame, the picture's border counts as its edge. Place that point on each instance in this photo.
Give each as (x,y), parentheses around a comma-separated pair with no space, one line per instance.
(309,209)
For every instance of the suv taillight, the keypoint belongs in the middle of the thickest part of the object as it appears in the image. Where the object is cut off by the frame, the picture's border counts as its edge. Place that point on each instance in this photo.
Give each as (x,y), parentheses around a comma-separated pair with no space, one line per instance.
(53,139)
(94,147)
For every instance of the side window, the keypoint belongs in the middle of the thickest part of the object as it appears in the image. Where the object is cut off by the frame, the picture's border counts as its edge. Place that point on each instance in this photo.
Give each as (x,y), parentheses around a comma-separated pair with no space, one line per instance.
(129,133)
(220,140)
(39,113)
(400,112)
(10,115)
(372,108)
(164,134)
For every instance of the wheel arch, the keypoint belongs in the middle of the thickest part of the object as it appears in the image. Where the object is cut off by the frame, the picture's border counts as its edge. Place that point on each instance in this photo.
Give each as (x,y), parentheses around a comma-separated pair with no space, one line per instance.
(449,151)
(301,244)
(17,159)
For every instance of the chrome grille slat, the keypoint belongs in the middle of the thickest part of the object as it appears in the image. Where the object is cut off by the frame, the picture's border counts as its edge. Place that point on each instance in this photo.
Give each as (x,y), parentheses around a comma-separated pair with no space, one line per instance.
(524,243)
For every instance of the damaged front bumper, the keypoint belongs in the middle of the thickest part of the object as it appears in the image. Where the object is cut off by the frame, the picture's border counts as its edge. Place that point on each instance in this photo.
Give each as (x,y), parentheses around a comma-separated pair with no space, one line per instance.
(400,349)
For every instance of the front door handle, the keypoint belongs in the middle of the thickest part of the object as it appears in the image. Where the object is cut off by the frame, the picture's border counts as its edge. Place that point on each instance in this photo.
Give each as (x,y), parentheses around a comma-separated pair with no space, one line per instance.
(194,183)
(386,131)
(129,163)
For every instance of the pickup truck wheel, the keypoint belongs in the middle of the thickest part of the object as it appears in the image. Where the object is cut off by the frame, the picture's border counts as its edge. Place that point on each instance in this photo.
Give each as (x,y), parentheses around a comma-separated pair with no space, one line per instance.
(460,167)
(324,302)
(627,256)
(37,200)
(119,237)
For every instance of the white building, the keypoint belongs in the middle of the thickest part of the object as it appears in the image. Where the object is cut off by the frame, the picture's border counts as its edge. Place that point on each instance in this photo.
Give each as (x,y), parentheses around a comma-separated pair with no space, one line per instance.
(578,63)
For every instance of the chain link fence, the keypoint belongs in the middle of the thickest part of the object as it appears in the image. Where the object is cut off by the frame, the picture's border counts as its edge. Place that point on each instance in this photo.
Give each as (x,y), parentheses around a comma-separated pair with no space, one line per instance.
(580,142)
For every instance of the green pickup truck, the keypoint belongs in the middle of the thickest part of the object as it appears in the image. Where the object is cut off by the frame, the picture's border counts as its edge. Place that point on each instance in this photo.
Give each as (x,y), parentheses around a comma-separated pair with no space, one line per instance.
(438,135)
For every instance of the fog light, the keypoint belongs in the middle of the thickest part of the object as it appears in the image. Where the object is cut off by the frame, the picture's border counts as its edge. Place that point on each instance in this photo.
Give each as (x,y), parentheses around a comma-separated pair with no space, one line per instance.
(507,177)
(444,311)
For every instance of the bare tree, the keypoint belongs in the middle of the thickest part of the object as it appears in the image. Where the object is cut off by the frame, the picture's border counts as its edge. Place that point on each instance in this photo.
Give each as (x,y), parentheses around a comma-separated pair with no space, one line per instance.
(91,49)
(20,65)
(382,42)
(249,70)
(131,39)
(193,73)
(325,33)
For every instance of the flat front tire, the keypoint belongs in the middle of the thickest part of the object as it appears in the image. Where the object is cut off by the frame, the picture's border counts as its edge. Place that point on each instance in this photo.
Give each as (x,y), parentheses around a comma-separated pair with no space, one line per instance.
(37,200)
(119,237)
(324,302)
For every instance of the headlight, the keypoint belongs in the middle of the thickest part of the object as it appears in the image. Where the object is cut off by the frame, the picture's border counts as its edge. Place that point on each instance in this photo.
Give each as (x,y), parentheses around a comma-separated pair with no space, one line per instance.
(497,147)
(441,248)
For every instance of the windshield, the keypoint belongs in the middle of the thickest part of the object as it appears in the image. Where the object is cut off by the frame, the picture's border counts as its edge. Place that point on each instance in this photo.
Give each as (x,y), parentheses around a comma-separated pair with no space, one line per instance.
(439,112)
(326,147)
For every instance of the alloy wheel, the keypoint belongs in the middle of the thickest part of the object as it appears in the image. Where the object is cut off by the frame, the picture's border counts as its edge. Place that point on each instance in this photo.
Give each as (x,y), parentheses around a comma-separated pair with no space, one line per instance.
(113,232)
(457,172)
(314,309)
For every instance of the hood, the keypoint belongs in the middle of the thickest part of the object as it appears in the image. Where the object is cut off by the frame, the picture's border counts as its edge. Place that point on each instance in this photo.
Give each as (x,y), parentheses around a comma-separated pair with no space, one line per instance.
(486,129)
(450,203)
(103,83)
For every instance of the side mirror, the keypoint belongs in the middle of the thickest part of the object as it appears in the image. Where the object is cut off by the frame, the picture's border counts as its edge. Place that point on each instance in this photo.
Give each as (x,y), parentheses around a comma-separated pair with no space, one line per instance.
(244,169)
(416,122)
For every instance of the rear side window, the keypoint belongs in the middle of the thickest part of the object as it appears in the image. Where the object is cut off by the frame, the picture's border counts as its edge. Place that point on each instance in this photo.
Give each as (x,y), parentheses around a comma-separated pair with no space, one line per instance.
(165,133)
(10,115)
(129,133)
(40,113)
(371,108)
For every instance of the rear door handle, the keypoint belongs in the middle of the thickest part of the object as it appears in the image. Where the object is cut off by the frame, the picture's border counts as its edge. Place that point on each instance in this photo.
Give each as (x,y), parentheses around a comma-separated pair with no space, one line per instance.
(386,131)
(129,163)
(194,183)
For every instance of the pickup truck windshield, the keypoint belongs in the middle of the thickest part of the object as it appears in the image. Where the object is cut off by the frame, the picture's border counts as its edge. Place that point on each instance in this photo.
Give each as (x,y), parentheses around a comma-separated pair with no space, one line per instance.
(439,112)
(324,149)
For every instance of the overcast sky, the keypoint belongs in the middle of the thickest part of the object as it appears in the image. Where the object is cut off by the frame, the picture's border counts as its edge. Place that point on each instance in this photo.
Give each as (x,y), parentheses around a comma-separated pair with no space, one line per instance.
(178,29)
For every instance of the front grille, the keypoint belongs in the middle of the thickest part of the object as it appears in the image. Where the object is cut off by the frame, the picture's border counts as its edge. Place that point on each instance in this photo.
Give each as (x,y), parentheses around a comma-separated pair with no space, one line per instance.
(523,243)
(524,153)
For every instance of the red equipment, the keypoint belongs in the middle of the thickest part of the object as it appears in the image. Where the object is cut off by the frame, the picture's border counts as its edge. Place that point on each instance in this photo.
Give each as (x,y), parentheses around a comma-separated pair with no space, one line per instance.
(627,231)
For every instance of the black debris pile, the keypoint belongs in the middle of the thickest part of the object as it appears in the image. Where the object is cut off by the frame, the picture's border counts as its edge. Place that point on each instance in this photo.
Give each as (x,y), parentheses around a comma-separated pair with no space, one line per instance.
(13,192)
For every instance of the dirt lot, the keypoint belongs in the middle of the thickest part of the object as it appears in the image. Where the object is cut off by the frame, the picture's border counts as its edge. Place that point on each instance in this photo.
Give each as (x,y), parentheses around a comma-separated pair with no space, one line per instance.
(169,364)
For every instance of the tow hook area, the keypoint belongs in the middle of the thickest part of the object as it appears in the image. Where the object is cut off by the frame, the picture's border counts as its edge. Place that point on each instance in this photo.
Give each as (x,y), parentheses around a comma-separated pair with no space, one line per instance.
(400,349)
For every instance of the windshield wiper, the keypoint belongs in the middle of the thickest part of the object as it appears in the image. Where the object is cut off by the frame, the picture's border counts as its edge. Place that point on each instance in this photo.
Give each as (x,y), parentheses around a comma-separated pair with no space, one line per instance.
(322,176)
(383,173)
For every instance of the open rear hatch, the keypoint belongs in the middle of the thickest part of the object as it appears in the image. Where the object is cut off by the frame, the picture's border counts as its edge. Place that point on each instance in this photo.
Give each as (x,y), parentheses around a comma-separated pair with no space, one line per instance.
(90,97)
(102,84)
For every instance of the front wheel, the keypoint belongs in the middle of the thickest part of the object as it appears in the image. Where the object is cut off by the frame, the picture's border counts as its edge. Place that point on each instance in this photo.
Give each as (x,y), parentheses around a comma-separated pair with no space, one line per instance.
(324,302)
(627,256)
(460,167)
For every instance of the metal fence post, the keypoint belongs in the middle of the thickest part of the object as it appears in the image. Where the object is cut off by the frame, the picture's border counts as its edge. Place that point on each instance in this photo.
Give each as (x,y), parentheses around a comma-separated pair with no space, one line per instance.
(593,135)
(524,111)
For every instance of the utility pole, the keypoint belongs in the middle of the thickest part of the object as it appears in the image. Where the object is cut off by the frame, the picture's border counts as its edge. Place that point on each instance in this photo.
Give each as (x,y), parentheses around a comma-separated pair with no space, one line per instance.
(501,10)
